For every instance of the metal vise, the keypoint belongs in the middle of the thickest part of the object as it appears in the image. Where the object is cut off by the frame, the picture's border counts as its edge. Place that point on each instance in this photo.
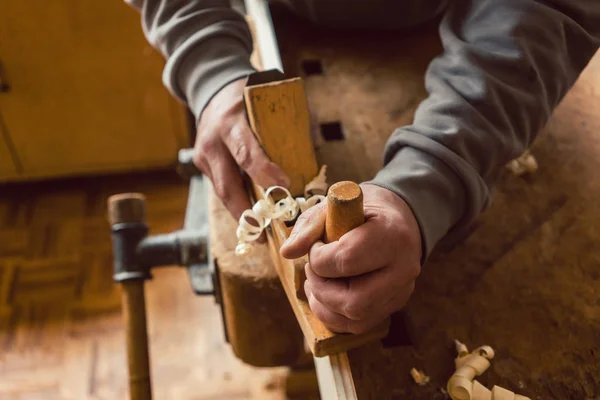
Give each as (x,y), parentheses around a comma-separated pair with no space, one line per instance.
(136,253)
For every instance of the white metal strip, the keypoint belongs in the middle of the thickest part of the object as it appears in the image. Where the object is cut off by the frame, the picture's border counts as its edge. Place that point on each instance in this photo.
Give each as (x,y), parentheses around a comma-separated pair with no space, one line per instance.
(333,372)
(268,50)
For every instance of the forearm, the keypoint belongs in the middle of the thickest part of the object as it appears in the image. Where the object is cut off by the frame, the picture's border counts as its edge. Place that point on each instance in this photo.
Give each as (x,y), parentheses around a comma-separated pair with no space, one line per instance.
(207,45)
(506,65)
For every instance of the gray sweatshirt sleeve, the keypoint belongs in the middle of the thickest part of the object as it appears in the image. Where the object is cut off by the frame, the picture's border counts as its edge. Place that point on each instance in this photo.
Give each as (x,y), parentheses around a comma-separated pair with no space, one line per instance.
(207,45)
(506,65)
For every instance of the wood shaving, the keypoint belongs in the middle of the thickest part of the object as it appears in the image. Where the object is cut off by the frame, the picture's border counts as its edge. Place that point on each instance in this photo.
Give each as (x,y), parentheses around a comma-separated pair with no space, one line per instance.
(254,221)
(419,377)
(463,386)
(461,348)
(318,186)
(524,164)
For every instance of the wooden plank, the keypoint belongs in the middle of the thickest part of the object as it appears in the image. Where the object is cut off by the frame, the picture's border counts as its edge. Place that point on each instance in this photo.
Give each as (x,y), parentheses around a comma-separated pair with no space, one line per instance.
(271,107)
(279,116)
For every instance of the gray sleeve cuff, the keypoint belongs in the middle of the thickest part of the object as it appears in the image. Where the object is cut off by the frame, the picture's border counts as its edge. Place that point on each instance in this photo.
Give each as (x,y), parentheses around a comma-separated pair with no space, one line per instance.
(419,174)
(505,66)
(197,74)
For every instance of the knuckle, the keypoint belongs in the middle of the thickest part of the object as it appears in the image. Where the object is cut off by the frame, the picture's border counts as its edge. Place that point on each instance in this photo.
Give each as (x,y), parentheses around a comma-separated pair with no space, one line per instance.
(317,266)
(305,217)
(199,161)
(206,145)
(222,190)
(198,157)
(309,215)
(355,309)
(241,154)
(342,260)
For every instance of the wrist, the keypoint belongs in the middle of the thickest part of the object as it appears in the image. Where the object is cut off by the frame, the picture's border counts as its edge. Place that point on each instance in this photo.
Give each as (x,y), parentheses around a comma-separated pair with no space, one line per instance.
(383,197)
(227,102)
(431,189)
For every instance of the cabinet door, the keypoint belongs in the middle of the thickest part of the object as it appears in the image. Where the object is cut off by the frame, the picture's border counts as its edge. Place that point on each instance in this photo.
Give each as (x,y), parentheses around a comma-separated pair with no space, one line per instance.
(8,169)
(86,92)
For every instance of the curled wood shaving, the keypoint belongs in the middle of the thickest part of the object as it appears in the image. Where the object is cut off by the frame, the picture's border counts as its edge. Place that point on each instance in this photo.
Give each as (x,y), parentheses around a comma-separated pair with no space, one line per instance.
(461,348)
(463,386)
(318,186)
(254,221)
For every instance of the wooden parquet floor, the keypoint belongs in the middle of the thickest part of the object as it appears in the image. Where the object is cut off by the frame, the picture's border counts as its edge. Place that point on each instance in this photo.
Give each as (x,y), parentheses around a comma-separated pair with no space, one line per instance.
(61,335)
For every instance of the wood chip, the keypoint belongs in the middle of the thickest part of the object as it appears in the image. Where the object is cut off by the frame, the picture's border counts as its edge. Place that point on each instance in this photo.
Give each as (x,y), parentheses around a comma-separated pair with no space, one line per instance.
(525,164)
(419,377)
(318,186)
(463,386)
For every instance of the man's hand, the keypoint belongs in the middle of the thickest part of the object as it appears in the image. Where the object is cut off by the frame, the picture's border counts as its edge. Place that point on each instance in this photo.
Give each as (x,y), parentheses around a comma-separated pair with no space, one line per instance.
(355,283)
(225,143)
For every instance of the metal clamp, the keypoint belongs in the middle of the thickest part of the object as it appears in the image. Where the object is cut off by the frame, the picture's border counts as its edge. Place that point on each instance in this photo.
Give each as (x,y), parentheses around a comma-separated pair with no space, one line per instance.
(125,238)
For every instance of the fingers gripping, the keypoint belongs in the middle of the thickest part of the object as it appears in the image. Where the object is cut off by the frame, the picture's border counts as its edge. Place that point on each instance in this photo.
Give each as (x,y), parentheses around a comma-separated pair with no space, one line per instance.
(308,229)
(227,181)
(335,321)
(356,298)
(249,155)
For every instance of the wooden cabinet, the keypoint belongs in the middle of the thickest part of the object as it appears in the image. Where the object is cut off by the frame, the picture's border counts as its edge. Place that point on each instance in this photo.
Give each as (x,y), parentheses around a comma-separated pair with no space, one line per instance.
(85,91)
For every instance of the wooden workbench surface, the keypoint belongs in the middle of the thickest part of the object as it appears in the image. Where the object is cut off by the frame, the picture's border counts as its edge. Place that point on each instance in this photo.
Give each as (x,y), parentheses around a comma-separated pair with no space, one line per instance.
(526,281)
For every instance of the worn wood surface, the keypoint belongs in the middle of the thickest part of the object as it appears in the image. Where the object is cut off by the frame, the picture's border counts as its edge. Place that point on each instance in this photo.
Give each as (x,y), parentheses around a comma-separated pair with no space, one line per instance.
(255,304)
(61,329)
(526,280)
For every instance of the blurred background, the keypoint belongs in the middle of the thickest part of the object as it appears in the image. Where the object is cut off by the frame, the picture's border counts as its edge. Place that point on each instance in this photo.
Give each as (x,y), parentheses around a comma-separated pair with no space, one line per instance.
(84,115)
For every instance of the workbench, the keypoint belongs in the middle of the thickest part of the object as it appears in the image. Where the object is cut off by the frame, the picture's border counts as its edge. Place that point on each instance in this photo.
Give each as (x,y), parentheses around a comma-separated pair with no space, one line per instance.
(525,279)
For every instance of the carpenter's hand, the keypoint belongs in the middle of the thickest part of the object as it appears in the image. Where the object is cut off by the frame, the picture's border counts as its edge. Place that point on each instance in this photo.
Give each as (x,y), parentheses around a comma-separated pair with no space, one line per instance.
(358,281)
(225,143)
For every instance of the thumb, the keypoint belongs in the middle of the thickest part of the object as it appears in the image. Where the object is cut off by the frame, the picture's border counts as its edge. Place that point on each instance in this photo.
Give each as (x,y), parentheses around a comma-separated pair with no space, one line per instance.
(308,229)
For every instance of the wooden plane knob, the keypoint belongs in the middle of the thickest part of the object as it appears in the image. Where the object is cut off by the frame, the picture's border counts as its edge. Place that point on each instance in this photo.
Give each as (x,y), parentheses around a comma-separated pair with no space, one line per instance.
(344,210)
(127,208)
